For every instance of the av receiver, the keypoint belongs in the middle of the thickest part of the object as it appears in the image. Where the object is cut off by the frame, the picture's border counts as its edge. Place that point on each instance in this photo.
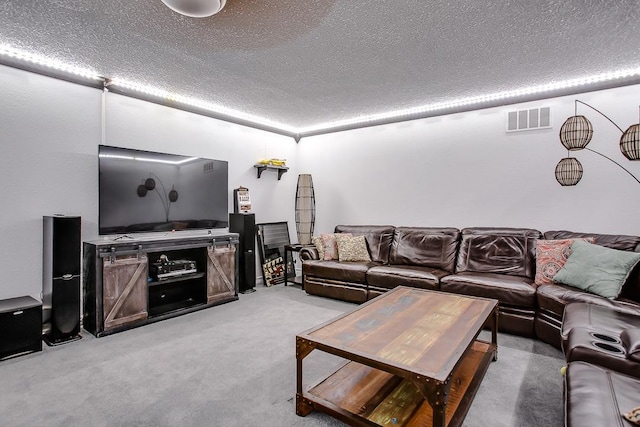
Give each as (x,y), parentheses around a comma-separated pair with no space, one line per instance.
(165,269)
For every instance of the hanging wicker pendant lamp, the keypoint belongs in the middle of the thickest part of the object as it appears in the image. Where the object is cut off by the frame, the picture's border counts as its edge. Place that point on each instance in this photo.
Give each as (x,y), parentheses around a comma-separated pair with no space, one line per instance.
(630,142)
(576,133)
(568,171)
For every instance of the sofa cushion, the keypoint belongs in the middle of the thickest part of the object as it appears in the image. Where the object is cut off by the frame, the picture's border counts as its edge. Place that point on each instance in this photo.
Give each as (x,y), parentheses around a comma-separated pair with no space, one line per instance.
(553,297)
(597,269)
(595,396)
(613,241)
(551,256)
(512,290)
(605,319)
(378,238)
(390,276)
(630,338)
(498,250)
(631,289)
(352,248)
(426,247)
(335,270)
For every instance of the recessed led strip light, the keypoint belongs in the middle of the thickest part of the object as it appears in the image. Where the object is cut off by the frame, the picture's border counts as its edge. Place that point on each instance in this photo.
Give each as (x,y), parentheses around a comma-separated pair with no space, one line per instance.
(198,103)
(361,121)
(475,100)
(23,56)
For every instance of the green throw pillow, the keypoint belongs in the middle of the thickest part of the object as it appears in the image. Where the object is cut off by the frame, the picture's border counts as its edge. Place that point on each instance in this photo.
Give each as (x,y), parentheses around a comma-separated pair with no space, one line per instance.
(596,269)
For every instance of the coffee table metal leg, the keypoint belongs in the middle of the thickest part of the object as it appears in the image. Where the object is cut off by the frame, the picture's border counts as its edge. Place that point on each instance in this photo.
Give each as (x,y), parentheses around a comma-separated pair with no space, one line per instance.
(286,270)
(494,333)
(437,394)
(303,348)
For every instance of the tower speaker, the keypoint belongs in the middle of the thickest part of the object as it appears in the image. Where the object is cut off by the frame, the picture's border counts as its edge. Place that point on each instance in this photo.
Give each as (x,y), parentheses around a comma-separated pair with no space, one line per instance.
(61,279)
(245,226)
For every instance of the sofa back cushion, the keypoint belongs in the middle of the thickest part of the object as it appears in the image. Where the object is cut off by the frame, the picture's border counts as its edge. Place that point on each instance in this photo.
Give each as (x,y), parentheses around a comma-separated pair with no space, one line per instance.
(378,237)
(498,250)
(613,241)
(631,288)
(425,246)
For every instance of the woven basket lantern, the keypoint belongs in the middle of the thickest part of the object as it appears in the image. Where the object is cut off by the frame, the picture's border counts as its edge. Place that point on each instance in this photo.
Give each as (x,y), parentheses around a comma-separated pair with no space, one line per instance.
(568,171)
(576,133)
(630,142)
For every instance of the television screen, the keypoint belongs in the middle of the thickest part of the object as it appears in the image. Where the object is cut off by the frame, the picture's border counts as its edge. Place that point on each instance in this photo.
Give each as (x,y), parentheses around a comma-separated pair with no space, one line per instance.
(143,191)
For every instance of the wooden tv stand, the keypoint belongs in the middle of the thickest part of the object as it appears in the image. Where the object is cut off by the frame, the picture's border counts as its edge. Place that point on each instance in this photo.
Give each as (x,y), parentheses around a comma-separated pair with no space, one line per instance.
(120,292)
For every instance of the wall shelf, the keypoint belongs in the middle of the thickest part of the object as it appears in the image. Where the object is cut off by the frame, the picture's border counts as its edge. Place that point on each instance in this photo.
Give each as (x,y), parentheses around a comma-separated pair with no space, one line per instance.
(261,168)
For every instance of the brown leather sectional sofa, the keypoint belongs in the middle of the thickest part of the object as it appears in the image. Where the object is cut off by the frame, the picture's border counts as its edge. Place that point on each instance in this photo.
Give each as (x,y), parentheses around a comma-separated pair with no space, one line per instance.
(481,261)
(600,337)
(602,349)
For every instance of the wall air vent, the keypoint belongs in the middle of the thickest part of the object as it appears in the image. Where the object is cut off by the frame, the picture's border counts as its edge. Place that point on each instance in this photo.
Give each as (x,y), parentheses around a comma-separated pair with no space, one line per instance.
(534,118)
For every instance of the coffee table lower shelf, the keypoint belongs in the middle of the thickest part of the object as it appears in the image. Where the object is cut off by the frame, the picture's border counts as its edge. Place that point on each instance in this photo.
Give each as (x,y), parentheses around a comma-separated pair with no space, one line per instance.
(361,395)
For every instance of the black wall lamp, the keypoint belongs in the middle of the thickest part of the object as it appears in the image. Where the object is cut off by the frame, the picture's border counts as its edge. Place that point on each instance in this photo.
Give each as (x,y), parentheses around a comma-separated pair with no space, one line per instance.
(149,184)
(576,133)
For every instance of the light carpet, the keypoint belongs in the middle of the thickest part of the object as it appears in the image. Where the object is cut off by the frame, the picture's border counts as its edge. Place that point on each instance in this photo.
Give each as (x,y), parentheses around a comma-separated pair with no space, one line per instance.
(234,365)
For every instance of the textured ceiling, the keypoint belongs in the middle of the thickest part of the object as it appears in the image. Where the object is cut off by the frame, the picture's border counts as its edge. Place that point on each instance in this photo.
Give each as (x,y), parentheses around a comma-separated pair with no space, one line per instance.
(302,63)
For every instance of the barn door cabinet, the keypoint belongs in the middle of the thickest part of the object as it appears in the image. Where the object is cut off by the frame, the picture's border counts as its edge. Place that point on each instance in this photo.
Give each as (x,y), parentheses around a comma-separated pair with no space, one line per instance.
(121,291)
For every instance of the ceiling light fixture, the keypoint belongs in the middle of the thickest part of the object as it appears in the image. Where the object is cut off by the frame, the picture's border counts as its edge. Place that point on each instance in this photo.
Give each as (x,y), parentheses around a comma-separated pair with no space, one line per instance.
(195,8)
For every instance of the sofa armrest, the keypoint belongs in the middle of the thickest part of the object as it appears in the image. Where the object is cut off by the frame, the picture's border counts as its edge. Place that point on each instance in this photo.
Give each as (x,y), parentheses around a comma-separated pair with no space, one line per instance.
(309,253)
(630,338)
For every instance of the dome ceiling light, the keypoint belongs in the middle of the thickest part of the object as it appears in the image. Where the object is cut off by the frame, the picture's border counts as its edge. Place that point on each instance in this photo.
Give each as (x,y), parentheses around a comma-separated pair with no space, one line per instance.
(195,8)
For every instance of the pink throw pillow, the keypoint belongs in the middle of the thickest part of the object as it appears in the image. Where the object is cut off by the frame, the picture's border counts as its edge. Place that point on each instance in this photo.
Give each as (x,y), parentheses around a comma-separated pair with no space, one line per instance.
(551,255)
(330,246)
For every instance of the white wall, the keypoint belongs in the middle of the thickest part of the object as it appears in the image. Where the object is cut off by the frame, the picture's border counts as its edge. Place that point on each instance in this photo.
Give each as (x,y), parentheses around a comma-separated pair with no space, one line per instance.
(49,130)
(464,170)
(50,133)
(458,170)
(132,123)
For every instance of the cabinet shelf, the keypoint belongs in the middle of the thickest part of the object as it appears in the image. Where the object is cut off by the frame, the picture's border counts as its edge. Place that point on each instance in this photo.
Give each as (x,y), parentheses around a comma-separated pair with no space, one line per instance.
(261,168)
(173,307)
(176,279)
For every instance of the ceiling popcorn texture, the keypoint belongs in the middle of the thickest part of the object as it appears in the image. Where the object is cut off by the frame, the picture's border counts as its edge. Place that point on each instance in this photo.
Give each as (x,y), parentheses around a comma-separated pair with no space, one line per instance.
(304,63)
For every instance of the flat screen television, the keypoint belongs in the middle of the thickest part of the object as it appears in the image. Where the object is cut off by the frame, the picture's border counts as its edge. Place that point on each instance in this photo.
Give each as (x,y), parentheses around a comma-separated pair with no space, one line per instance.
(144,191)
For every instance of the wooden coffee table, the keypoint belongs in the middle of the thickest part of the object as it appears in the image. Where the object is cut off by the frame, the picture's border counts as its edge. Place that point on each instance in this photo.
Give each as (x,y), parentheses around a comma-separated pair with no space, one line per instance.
(413,359)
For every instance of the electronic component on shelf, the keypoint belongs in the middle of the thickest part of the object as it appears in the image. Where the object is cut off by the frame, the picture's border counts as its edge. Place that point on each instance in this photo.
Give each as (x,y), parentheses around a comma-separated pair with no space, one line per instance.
(165,269)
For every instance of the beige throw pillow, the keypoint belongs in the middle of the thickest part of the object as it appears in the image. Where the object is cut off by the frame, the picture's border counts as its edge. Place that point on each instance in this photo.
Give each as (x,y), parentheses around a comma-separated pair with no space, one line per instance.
(352,248)
(317,241)
(330,246)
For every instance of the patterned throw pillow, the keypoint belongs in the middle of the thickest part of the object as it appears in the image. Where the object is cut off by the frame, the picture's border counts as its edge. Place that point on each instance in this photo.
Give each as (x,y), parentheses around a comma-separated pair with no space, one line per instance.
(633,415)
(317,241)
(551,255)
(330,246)
(352,248)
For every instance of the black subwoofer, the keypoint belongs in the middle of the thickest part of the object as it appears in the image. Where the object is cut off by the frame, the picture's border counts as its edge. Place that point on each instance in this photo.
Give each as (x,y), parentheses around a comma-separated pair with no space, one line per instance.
(61,279)
(245,226)
(20,326)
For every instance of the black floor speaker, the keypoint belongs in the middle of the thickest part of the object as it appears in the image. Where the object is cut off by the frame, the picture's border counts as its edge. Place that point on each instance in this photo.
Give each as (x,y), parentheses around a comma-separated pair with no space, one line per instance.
(61,279)
(245,226)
